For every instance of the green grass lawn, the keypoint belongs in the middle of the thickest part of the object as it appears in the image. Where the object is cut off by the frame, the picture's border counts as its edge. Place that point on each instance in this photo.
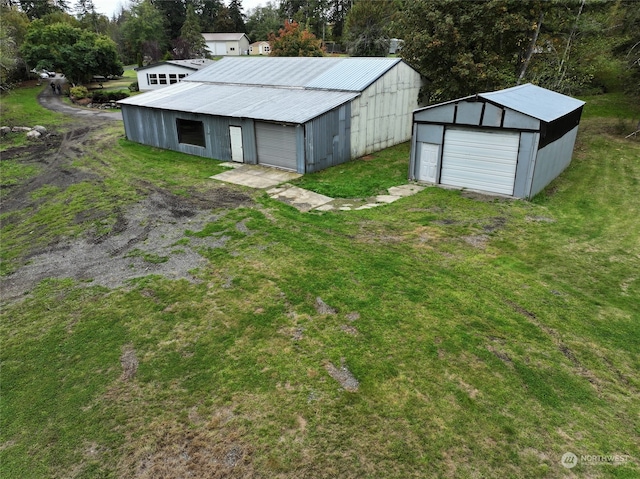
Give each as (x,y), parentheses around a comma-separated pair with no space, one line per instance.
(19,108)
(488,338)
(119,84)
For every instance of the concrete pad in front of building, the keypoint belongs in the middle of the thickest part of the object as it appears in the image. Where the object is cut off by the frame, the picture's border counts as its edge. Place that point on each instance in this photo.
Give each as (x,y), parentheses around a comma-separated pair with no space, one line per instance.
(256,176)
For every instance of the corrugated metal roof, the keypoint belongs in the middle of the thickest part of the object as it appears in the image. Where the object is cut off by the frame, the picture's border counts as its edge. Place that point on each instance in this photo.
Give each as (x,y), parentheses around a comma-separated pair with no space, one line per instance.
(532,100)
(192,64)
(240,101)
(347,74)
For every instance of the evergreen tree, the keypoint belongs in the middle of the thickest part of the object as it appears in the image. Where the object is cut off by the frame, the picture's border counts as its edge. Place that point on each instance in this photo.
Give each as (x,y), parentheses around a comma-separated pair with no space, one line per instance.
(208,11)
(191,39)
(224,23)
(236,16)
(39,8)
(89,16)
(144,31)
(368,28)
(174,13)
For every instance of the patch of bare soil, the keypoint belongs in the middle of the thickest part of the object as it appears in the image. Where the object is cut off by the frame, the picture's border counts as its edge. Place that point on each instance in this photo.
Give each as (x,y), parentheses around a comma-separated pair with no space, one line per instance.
(148,238)
(143,239)
(53,156)
(324,308)
(129,362)
(204,453)
(345,377)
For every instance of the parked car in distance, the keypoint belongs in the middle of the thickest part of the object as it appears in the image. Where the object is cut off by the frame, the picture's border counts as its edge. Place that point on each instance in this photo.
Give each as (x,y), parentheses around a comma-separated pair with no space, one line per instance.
(44,75)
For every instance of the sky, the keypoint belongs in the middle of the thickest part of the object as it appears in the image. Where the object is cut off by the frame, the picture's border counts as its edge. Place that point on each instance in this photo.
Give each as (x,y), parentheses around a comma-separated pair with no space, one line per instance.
(109,7)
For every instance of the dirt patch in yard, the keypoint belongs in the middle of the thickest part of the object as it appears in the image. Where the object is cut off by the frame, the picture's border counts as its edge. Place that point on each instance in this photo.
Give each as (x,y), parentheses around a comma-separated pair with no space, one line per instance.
(207,452)
(142,239)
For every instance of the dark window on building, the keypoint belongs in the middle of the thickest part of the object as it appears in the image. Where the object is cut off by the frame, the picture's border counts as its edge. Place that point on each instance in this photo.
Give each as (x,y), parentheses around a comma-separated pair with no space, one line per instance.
(152,78)
(191,132)
(181,75)
(173,78)
(163,78)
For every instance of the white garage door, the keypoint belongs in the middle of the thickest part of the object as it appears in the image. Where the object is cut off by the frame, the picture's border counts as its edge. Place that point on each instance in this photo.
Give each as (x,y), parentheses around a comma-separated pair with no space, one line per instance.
(276,145)
(220,48)
(480,160)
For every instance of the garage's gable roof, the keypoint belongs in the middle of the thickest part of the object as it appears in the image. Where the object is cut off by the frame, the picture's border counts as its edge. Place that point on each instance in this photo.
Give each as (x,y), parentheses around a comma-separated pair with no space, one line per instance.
(239,101)
(532,100)
(344,74)
(223,37)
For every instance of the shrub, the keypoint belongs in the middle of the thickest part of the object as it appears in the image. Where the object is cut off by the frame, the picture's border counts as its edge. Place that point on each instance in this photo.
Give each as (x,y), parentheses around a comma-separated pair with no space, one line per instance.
(117,95)
(79,92)
(99,97)
(134,86)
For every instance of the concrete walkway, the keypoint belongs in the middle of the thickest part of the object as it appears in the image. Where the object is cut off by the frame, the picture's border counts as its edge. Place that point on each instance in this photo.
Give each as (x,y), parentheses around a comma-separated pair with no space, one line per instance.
(256,176)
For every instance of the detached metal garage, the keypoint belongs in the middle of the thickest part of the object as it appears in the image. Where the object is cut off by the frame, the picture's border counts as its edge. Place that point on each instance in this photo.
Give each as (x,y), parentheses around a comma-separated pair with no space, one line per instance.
(512,142)
(299,114)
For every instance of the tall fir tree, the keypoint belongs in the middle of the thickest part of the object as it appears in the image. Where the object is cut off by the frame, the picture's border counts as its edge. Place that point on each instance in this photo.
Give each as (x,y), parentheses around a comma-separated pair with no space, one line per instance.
(191,39)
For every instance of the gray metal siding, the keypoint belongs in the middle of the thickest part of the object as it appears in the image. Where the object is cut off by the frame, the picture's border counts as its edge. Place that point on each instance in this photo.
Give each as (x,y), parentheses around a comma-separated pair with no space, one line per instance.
(328,139)
(492,116)
(552,160)
(476,112)
(515,120)
(249,141)
(469,113)
(439,114)
(381,115)
(526,160)
(158,128)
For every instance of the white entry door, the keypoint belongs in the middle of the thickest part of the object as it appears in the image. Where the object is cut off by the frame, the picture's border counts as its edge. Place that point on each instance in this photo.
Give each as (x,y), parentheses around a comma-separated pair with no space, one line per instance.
(428,162)
(235,132)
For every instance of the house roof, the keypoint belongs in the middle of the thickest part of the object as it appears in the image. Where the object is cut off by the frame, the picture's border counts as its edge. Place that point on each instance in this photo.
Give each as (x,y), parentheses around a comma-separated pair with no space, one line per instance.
(532,100)
(289,90)
(223,37)
(192,64)
(346,74)
(240,101)
(259,43)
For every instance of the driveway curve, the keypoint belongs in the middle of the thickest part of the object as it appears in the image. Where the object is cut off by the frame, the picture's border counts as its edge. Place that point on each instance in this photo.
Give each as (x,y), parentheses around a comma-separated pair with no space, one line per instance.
(54,102)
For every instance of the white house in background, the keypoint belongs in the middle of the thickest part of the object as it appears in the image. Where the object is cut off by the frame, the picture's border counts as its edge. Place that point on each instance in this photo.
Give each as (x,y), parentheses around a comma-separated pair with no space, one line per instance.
(259,48)
(160,75)
(227,43)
